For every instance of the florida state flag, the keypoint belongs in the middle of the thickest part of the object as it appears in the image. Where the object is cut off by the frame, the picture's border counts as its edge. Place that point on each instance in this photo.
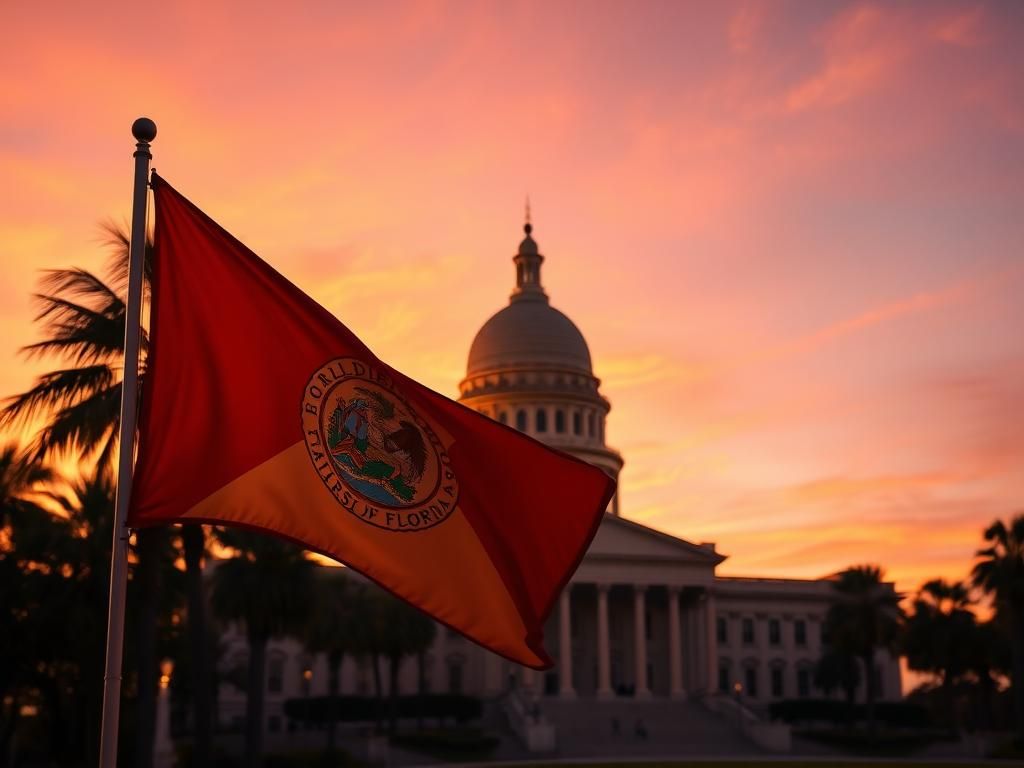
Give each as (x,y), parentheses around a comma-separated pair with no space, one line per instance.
(261,410)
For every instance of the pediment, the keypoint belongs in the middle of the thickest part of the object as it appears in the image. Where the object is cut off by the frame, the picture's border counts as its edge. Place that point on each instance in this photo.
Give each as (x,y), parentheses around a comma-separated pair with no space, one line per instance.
(618,538)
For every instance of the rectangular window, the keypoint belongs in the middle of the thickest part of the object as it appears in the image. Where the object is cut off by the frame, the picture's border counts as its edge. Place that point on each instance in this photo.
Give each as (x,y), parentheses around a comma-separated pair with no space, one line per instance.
(577,423)
(275,675)
(800,632)
(723,679)
(748,631)
(774,632)
(777,682)
(454,678)
(722,630)
(750,680)
(803,682)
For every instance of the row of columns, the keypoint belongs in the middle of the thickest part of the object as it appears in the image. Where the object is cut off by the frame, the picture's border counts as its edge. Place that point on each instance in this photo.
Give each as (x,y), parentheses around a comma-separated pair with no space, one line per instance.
(675,643)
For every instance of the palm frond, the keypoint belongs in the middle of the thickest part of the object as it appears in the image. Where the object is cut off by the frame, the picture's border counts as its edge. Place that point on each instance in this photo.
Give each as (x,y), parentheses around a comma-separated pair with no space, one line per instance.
(83,425)
(78,282)
(116,237)
(58,390)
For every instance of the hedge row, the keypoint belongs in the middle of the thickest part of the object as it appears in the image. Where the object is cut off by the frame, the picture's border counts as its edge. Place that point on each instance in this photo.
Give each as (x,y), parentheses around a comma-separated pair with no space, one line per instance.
(324,709)
(895,714)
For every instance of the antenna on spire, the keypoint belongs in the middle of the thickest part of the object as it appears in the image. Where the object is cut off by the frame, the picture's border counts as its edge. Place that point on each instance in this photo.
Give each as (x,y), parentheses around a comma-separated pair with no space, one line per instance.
(528,227)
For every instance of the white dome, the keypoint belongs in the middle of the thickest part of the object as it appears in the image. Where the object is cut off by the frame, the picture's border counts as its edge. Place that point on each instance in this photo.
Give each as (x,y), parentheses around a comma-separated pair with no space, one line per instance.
(528,334)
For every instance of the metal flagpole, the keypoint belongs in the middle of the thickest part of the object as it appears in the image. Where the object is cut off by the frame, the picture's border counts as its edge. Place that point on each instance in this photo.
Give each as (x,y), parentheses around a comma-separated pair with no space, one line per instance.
(144,131)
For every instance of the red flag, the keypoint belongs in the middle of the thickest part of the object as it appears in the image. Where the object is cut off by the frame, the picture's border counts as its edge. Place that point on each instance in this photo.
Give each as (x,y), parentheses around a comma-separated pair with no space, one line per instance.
(261,410)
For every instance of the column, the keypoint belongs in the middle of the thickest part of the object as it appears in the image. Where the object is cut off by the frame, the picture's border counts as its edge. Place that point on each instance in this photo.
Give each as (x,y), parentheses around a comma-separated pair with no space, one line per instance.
(528,679)
(711,622)
(565,688)
(675,646)
(604,659)
(640,642)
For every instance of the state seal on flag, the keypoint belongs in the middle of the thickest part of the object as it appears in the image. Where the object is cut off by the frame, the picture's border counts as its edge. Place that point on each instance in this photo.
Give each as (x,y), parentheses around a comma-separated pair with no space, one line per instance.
(380,458)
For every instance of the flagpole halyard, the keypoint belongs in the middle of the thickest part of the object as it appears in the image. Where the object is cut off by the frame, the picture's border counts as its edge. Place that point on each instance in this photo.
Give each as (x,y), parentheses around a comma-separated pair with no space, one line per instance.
(144,131)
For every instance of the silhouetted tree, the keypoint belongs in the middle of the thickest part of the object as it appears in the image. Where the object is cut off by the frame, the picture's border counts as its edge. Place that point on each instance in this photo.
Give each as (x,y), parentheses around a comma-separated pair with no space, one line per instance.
(839,669)
(864,617)
(332,629)
(83,321)
(939,635)
(1000,572)
(267,586)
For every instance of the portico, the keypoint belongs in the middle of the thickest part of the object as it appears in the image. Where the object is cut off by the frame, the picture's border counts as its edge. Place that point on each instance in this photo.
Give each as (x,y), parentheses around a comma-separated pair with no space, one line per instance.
(632,617)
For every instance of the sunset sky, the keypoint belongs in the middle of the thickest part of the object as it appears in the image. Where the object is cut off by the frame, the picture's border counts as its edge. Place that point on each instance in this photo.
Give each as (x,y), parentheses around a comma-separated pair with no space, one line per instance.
(792,233)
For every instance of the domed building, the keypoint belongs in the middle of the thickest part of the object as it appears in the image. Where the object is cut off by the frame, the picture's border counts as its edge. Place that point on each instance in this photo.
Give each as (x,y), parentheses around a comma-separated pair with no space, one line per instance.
(644,626)
(529,367)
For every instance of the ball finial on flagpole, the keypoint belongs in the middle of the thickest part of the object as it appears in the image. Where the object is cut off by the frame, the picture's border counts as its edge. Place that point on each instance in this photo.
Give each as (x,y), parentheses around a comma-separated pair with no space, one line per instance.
(144,129)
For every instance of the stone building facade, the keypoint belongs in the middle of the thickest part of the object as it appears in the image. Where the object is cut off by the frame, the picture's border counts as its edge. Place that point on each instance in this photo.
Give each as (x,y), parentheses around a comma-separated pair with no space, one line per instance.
(645,616)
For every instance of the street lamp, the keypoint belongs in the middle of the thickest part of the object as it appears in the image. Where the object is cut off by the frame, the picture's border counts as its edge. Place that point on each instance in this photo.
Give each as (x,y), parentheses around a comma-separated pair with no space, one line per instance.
(166,669)
(737,689)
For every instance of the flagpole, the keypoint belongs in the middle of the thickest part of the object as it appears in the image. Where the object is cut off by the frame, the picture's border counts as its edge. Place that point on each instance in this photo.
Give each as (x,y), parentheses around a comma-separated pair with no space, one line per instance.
(144,131)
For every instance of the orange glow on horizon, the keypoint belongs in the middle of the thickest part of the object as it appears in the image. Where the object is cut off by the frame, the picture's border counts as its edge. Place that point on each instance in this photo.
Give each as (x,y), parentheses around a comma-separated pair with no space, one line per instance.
(790,234)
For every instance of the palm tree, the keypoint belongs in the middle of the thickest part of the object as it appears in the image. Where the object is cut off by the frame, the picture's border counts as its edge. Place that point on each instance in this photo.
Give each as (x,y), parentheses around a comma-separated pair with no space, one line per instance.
(332,631)
(406,632)
(83,320)
(838,669)
(864,617)
(64,562)
(940,633)
(19,480)
(1000,572)
(267,587)
(20,476)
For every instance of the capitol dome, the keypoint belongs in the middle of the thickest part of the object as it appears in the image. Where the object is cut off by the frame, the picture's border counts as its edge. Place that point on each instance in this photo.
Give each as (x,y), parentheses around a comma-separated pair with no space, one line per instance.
(527,334)
(529,367)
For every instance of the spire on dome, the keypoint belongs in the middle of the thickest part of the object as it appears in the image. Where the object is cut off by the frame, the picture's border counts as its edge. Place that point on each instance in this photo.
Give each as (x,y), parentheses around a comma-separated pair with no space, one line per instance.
(528,261)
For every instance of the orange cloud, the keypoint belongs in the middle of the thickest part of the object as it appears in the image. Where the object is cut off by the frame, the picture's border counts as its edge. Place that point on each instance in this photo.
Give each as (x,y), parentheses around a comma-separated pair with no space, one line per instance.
(859,51)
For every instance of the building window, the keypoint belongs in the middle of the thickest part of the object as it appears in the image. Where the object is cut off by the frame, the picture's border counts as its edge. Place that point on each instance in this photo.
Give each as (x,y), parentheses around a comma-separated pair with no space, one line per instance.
(275,674)
(559,421)
(521,420)
(455,677)
(723,677)
(503,417)
(542,420)
(777,682)
(590,424)
(800,632)
(824,634)
(774,632)
(803,682)
(577,423)
(647,625)
(748,631)
(750,681)
(722,630)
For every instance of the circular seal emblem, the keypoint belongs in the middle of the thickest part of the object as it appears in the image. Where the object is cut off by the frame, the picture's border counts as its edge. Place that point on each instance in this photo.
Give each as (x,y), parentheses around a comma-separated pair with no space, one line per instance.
(379,457)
